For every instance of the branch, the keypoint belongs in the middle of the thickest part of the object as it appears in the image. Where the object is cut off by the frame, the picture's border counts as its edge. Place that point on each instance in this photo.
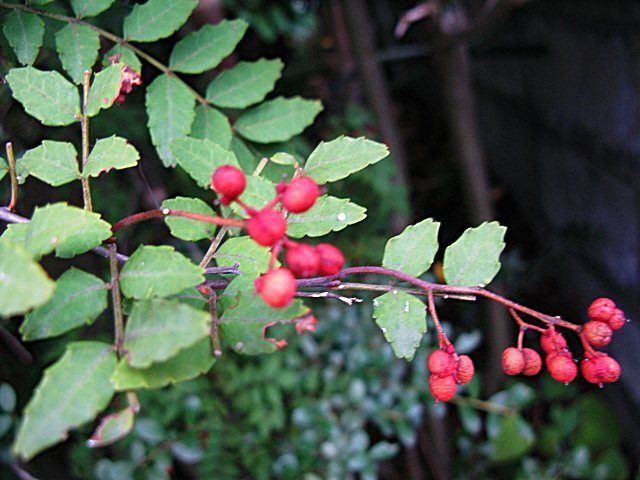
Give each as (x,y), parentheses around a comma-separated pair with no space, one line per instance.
(139,217)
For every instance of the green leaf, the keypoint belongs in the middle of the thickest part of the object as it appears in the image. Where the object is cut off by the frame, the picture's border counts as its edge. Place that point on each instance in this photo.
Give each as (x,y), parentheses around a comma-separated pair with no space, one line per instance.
(105,89)
(125,56)
(112,428)
(245,84)
(252,259)
(90,8)
(258,192)
(189,363)
(55,163)
(39,2)
(243,324)
(158,329)
(277,120)
(329,214)
(108,153)
(203,50)
(4,168)
(413,251)
(47,96)
(212,125)
(513,439)
(474,259)
(339,158)
(158,271)
(78,47)
(200,158)
(71,393)
(170,107)
(23,283)
(157,19)
(24,31)
(185,228)
(69,230)
(79,298)
(403,320)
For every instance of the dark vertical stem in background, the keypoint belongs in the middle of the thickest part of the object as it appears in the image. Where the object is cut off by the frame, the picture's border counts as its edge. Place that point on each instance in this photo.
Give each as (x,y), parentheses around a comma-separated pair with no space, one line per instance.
(377,90)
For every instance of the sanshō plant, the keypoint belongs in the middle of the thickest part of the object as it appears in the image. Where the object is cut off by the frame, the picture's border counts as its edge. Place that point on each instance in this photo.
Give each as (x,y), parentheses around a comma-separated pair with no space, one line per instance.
(177,317)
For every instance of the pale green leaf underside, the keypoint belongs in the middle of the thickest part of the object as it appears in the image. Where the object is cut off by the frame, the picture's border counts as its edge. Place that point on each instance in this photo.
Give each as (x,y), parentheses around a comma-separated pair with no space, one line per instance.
(158,329)
(90,8)
(79,298)
(212,125)
(157,19)
(200,157)
(189,363)
(69,230)
(474,258)
(78,47)
(53,162)
(413,251)
(185,228)
(339,158)
(25,32)
(109,153)
(245,84)
(252,259)
(171,110)
(158,271)
(329,214)
(112,428)
(72,392)
(203,50)
(104,89)
(47,96)
(23,283)
(277,120)
(403,320)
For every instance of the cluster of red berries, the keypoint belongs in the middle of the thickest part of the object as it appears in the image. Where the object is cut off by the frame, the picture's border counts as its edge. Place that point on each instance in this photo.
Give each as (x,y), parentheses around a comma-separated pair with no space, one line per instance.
(268,227)
(448,369)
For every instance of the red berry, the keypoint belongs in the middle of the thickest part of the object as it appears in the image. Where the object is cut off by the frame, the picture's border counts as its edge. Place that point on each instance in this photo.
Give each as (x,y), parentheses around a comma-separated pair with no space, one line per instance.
(610,369)
(302,260)
(552,341)
(598,367)
(267,227)
(442,388)
(229,181)
(441,363)
(300,194)
(331,259)
(562,367)
(590,371)
(532,362)
(601,309)
(617,320)
(277,287)
(465,370)
(512,361)
(597,333)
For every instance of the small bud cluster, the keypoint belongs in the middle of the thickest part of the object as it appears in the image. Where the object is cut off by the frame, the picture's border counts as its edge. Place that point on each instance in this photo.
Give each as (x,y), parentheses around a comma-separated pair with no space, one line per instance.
(447,370)
(268,227)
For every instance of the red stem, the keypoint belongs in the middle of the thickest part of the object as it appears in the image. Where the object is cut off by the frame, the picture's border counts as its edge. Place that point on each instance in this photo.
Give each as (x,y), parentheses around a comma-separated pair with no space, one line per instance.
(139,217)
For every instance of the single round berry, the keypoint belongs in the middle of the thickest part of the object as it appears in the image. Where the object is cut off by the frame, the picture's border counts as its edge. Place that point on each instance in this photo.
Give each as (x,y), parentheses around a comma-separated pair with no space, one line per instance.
(512,361)
(302,260)
(229,181)
(442,388)
(331,259)
(597,333)
(267,227)
(277,287)
(465,370)
(617,320)
(562,367)
(441,363)
(532,362)
(601,309)
(552,341)
(300,195)
(610,369)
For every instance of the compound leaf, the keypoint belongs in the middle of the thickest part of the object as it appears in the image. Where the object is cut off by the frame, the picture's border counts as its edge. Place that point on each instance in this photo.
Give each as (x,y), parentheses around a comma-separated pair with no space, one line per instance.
(157,19)
(203,50)
(329,214)
(71,393)
(403,320)
(213,125)
(158,329)
(108,153)
(53,162)
(79,298)
(413,251)
(200,157)
(277,120)
(25,32)
(78,47)
(185,228)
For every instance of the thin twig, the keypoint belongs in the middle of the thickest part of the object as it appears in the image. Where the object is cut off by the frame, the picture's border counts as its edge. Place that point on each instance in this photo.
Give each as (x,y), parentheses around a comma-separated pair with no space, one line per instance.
(215,325)
(12,174)
(139,217)
(483,405)
(118,318)
(215,243)
(84,126)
